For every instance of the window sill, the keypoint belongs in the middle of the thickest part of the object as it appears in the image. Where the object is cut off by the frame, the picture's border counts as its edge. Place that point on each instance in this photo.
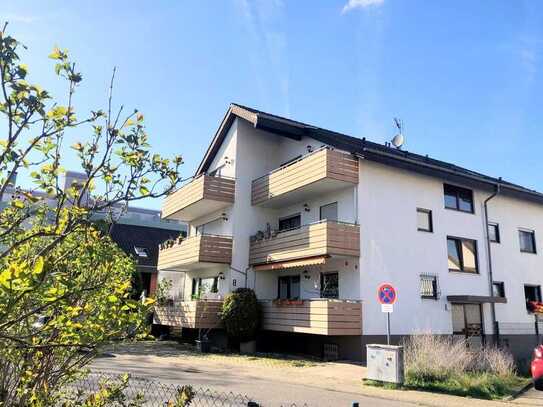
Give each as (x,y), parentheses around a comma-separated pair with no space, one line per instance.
(474,273)
(527,252)
(460,210)
(425,230)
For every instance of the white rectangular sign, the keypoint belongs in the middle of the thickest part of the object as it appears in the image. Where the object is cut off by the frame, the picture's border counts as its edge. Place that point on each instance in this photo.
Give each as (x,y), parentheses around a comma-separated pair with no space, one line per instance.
(388,308)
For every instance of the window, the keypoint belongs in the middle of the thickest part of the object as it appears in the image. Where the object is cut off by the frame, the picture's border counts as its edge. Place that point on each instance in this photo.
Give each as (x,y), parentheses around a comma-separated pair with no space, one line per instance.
(329,212)
(289,288)
(460,199)
(202,286)
(462,254)
(494,232)
(330,285)
(532,293)
(141,251)
(428,286)
(527,241)
(290,222)
(498,289)
(424,220)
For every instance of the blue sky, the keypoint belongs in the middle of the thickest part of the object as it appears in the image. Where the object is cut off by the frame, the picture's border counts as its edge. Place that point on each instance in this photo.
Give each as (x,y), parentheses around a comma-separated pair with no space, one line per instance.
(464,76)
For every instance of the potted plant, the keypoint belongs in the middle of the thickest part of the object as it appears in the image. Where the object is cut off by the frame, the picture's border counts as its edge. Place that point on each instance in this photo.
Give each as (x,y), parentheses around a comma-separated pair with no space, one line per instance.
(240,316)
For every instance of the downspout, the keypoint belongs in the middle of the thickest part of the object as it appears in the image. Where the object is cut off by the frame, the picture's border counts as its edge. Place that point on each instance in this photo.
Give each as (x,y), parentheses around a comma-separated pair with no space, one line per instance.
(489,257)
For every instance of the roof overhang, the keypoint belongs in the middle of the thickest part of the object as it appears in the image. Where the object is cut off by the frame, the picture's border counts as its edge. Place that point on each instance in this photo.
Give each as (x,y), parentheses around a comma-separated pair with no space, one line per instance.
(476,299)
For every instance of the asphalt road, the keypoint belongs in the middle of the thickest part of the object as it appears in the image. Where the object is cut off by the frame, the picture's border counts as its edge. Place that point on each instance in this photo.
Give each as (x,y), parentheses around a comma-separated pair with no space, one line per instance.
(269,385)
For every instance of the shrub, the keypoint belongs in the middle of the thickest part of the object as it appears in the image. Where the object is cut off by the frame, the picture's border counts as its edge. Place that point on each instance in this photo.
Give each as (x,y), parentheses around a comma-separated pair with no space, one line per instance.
(439,363)
(495,361)
(432,357)
(240,314)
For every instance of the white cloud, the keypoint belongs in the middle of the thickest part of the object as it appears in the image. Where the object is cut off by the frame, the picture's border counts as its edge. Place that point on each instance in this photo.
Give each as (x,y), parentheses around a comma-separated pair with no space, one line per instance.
(354,4)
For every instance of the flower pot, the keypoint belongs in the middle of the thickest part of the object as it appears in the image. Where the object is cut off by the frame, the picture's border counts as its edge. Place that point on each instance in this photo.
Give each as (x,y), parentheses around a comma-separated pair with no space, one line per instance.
(247,348)
(203,346)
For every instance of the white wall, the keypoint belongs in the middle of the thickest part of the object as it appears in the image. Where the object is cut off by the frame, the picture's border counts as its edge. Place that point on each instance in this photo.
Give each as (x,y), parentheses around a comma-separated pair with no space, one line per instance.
(392,250)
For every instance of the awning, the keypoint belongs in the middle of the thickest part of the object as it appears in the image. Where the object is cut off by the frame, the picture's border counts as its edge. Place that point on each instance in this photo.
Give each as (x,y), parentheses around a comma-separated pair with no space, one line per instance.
(476,299)
(282,265)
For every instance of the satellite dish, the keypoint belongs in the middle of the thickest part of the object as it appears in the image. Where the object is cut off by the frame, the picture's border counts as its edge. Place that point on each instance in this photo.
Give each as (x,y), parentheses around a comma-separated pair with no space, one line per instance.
(398,140)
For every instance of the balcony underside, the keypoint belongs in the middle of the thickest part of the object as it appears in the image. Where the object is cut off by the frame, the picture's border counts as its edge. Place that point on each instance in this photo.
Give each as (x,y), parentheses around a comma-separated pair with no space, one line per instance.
(197,252)
(317,173)
(319,317)
(202,196)
(325,238)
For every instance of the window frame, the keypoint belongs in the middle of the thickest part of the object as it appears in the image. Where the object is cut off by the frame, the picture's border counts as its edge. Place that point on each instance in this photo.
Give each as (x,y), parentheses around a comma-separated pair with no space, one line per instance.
(430,220)
(289,286)
(534,241)
(498,237)
(500,284)
(537,287)
(457,198)
(327,273)
(461,255)
(435,286)
(329,204)
(284,218)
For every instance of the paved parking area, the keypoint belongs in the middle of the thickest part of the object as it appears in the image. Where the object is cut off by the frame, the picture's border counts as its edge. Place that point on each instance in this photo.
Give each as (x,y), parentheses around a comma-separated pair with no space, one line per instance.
(271,381)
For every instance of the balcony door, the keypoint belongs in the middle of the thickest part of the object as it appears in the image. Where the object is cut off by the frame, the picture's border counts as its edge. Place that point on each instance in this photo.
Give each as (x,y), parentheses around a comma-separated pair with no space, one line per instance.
(467,322)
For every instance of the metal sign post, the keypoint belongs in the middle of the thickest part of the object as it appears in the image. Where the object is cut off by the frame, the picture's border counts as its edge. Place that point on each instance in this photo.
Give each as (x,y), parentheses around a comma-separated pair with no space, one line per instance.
(387,296)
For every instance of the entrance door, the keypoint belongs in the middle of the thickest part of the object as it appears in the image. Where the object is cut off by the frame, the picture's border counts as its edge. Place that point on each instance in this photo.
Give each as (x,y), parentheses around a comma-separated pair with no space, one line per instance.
(467,322)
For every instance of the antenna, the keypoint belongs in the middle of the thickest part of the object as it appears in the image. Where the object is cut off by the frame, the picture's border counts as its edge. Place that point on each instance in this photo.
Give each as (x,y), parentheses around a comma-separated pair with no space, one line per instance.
(398,139)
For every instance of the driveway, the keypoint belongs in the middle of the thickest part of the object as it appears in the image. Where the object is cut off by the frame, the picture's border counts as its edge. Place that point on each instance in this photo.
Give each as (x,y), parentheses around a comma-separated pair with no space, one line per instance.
(270,381)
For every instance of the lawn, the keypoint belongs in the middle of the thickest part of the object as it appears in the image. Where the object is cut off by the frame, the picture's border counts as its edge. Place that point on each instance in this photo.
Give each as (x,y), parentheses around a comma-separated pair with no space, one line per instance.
(482,386)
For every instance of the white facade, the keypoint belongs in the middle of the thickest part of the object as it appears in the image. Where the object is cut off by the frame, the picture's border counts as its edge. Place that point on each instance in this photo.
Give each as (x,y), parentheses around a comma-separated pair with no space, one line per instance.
(384,204)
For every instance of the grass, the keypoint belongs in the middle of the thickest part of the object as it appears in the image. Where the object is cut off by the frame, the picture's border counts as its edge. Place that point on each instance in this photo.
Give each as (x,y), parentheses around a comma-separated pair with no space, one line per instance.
(443,365)
(481,386)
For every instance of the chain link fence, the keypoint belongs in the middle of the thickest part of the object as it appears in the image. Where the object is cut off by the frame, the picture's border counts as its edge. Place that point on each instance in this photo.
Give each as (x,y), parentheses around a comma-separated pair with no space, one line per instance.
(154,393)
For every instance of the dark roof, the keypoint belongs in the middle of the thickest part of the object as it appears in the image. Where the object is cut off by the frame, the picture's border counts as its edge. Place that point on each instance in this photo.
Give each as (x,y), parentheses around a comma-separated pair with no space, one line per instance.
(130,236)
(401,159)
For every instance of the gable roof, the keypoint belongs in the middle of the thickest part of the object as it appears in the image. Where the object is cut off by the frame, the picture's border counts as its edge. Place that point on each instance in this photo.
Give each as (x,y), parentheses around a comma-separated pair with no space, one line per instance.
(400,159)
(129,236)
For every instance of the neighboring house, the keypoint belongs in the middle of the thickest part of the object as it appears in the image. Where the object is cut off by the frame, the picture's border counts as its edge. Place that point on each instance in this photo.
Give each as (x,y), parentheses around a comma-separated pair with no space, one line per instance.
(315,220)
(138,231)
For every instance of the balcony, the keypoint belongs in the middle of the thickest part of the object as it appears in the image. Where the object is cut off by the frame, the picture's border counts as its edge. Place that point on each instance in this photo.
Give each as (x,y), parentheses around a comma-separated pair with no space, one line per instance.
(314,174)
(190,314)
(315,316)
(202,196)
(324,238)
(195,252)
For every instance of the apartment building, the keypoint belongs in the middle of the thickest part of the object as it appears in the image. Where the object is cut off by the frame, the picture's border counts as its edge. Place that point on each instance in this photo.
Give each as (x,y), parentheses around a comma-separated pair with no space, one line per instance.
(314,221)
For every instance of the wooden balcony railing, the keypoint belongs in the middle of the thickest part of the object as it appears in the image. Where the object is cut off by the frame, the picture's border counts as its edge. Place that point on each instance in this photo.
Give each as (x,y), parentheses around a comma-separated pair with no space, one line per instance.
(203,195)
(190,314)
(315,316)
(196,252)
(321,171)
(317,239)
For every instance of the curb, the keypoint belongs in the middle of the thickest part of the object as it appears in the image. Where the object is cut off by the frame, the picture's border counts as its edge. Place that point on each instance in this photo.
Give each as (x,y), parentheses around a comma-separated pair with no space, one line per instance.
(519,392)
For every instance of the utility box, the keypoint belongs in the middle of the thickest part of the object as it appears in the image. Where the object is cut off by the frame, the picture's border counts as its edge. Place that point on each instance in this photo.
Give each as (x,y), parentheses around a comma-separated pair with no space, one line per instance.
(385,363)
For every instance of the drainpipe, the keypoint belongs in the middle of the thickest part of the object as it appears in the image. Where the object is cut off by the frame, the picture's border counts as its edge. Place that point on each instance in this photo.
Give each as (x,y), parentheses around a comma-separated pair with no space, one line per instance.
(489,256)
